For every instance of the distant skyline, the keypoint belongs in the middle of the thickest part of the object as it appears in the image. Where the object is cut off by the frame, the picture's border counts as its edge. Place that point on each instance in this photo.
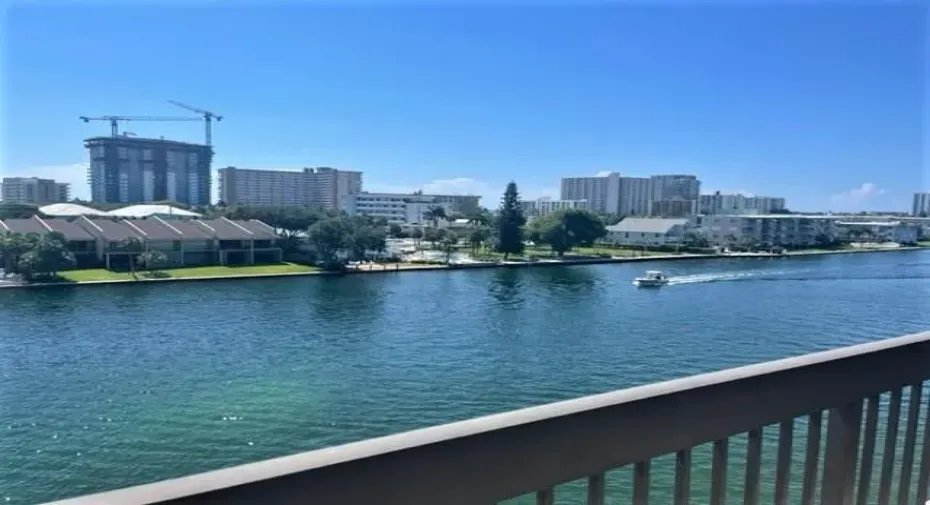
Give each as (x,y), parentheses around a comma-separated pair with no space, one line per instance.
(823,104)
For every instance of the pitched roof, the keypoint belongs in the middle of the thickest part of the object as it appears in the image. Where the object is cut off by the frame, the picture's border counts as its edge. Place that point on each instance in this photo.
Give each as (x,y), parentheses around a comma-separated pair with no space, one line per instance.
(260,230)
(191,230)
(69,210)
(227,230)
(154,230)
(140,211)
(646,225)
(30,225)
(70,230)
(113,231)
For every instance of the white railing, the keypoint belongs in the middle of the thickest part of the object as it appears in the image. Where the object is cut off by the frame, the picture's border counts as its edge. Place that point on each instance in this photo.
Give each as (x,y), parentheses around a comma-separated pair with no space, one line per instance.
(837,414)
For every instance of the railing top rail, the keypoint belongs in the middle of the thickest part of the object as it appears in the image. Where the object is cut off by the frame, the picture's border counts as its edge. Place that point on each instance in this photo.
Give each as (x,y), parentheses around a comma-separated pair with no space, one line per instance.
(538,420)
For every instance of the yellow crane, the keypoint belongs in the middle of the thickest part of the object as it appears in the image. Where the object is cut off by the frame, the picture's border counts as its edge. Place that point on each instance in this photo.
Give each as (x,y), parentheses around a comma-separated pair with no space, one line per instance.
(208,118)
(115,120)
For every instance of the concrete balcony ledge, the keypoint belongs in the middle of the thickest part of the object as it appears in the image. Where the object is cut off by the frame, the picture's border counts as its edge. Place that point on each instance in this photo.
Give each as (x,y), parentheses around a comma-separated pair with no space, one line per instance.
(493,458)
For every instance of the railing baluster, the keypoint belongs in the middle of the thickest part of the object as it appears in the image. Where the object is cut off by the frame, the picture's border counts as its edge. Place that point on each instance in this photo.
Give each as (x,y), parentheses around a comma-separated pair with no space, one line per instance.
(891,440)
(718,483)
(923,475)
(811,458)
(683,477)
(839,462)
(545,497)
(783,466)
(596,489)
(910,440)
(753,467)
(868,451)
(641,482)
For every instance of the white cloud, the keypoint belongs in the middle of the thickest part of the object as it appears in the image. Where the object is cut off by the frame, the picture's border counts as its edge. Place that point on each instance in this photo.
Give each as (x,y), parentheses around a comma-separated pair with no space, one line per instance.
(603,173)
(72,173)
(853,198)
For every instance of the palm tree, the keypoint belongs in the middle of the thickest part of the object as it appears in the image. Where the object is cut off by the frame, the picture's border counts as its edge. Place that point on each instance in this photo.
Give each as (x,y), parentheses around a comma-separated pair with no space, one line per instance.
(434,214)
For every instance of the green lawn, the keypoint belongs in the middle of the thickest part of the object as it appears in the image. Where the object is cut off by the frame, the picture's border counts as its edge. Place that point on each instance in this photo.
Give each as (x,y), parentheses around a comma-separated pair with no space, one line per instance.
(925,243)
(546,252)
(99,274)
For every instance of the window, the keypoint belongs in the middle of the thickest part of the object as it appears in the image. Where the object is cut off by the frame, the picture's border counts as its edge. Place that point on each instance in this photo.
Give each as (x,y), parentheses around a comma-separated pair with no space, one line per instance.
(176,245)
(147,154)
(122,152)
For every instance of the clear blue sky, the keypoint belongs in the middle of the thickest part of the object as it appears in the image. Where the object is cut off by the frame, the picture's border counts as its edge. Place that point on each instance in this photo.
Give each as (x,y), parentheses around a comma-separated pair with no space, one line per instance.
(822,104)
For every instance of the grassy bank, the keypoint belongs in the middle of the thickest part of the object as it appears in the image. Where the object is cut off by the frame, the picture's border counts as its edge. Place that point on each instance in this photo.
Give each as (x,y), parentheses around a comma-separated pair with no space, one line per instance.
(546,252)
(925,243)
(100,274)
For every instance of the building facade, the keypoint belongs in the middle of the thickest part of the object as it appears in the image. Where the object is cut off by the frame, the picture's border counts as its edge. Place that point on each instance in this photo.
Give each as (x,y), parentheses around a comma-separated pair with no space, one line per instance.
(406,209)
(636,231)
(601,193)
(769,230)
(324,186)
(139,170)
(635,196)
(921,207)
(34,191)
(543,206)
(675,188)
(718,203)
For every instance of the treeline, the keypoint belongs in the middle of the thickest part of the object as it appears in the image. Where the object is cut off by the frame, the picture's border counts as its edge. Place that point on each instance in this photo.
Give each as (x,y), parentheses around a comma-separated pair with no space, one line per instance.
(33,255)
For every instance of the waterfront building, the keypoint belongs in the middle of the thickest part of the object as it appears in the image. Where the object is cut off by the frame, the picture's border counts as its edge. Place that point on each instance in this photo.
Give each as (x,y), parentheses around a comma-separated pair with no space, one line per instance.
(543,206)
(648,231)
(399,208)
(738,204)
(322,186)
(785,230)
(601,192)
(33,191)
(97,241)
(921,207)
(878,231)
(140,170)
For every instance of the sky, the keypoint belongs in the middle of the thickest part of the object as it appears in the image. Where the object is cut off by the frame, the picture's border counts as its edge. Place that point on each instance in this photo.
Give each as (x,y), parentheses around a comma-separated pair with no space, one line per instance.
(823,102)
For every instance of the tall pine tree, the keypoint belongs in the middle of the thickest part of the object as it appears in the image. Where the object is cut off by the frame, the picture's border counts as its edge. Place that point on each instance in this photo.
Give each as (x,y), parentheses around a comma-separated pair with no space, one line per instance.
(510,222)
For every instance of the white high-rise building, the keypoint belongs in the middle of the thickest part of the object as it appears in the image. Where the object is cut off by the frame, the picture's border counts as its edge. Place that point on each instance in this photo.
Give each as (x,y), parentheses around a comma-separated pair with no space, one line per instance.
(543,206)
(921,204)
(325,187)
(602,193)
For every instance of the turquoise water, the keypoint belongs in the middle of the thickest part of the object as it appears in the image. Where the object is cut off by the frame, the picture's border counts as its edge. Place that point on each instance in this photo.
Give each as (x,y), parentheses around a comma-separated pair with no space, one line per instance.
(104,387)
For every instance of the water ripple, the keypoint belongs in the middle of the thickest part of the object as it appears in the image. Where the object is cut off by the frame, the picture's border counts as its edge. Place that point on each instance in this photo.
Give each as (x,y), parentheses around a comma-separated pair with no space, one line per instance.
(116,386)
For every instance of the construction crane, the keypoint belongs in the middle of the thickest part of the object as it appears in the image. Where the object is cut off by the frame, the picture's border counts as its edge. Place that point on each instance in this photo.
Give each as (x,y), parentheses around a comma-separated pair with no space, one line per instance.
(208,118)
(115,120)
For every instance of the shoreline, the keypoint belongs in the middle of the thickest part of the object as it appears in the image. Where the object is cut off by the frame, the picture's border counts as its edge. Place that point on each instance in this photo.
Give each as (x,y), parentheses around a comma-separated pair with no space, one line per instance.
(482,265)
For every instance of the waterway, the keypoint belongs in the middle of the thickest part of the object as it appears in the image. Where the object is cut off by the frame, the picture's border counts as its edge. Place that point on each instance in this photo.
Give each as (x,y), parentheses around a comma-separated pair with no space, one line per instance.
(109,386)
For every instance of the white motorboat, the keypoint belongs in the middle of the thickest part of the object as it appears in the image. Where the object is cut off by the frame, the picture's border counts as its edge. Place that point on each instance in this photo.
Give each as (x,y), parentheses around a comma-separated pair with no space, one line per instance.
(652,278)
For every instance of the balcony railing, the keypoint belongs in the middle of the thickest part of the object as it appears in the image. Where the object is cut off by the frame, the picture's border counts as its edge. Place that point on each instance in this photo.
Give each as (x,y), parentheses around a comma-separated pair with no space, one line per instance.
(838,416)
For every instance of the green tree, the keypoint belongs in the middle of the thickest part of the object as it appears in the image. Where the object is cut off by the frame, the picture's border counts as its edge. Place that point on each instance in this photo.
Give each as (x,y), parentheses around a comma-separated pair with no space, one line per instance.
(366,239)
(329,238)
(447,245)
(477,237)
(395,230)
(567,229)
(510,222)
(18,210)
(417,235)
(12,246)
(47,256)
(150,261)
(692,239)
(133,247)
(434,214)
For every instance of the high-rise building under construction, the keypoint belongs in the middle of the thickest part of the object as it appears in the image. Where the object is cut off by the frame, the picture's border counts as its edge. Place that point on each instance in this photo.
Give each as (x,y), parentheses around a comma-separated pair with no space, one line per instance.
(139,170)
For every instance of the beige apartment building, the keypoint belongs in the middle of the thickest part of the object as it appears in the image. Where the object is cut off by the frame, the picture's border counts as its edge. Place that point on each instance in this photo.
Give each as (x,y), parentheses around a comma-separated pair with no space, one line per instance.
(323,186)
(32,190)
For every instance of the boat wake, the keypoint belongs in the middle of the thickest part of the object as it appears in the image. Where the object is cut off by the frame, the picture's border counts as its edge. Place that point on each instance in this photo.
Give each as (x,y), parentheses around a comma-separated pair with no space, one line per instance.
(789,276)
(717,277)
